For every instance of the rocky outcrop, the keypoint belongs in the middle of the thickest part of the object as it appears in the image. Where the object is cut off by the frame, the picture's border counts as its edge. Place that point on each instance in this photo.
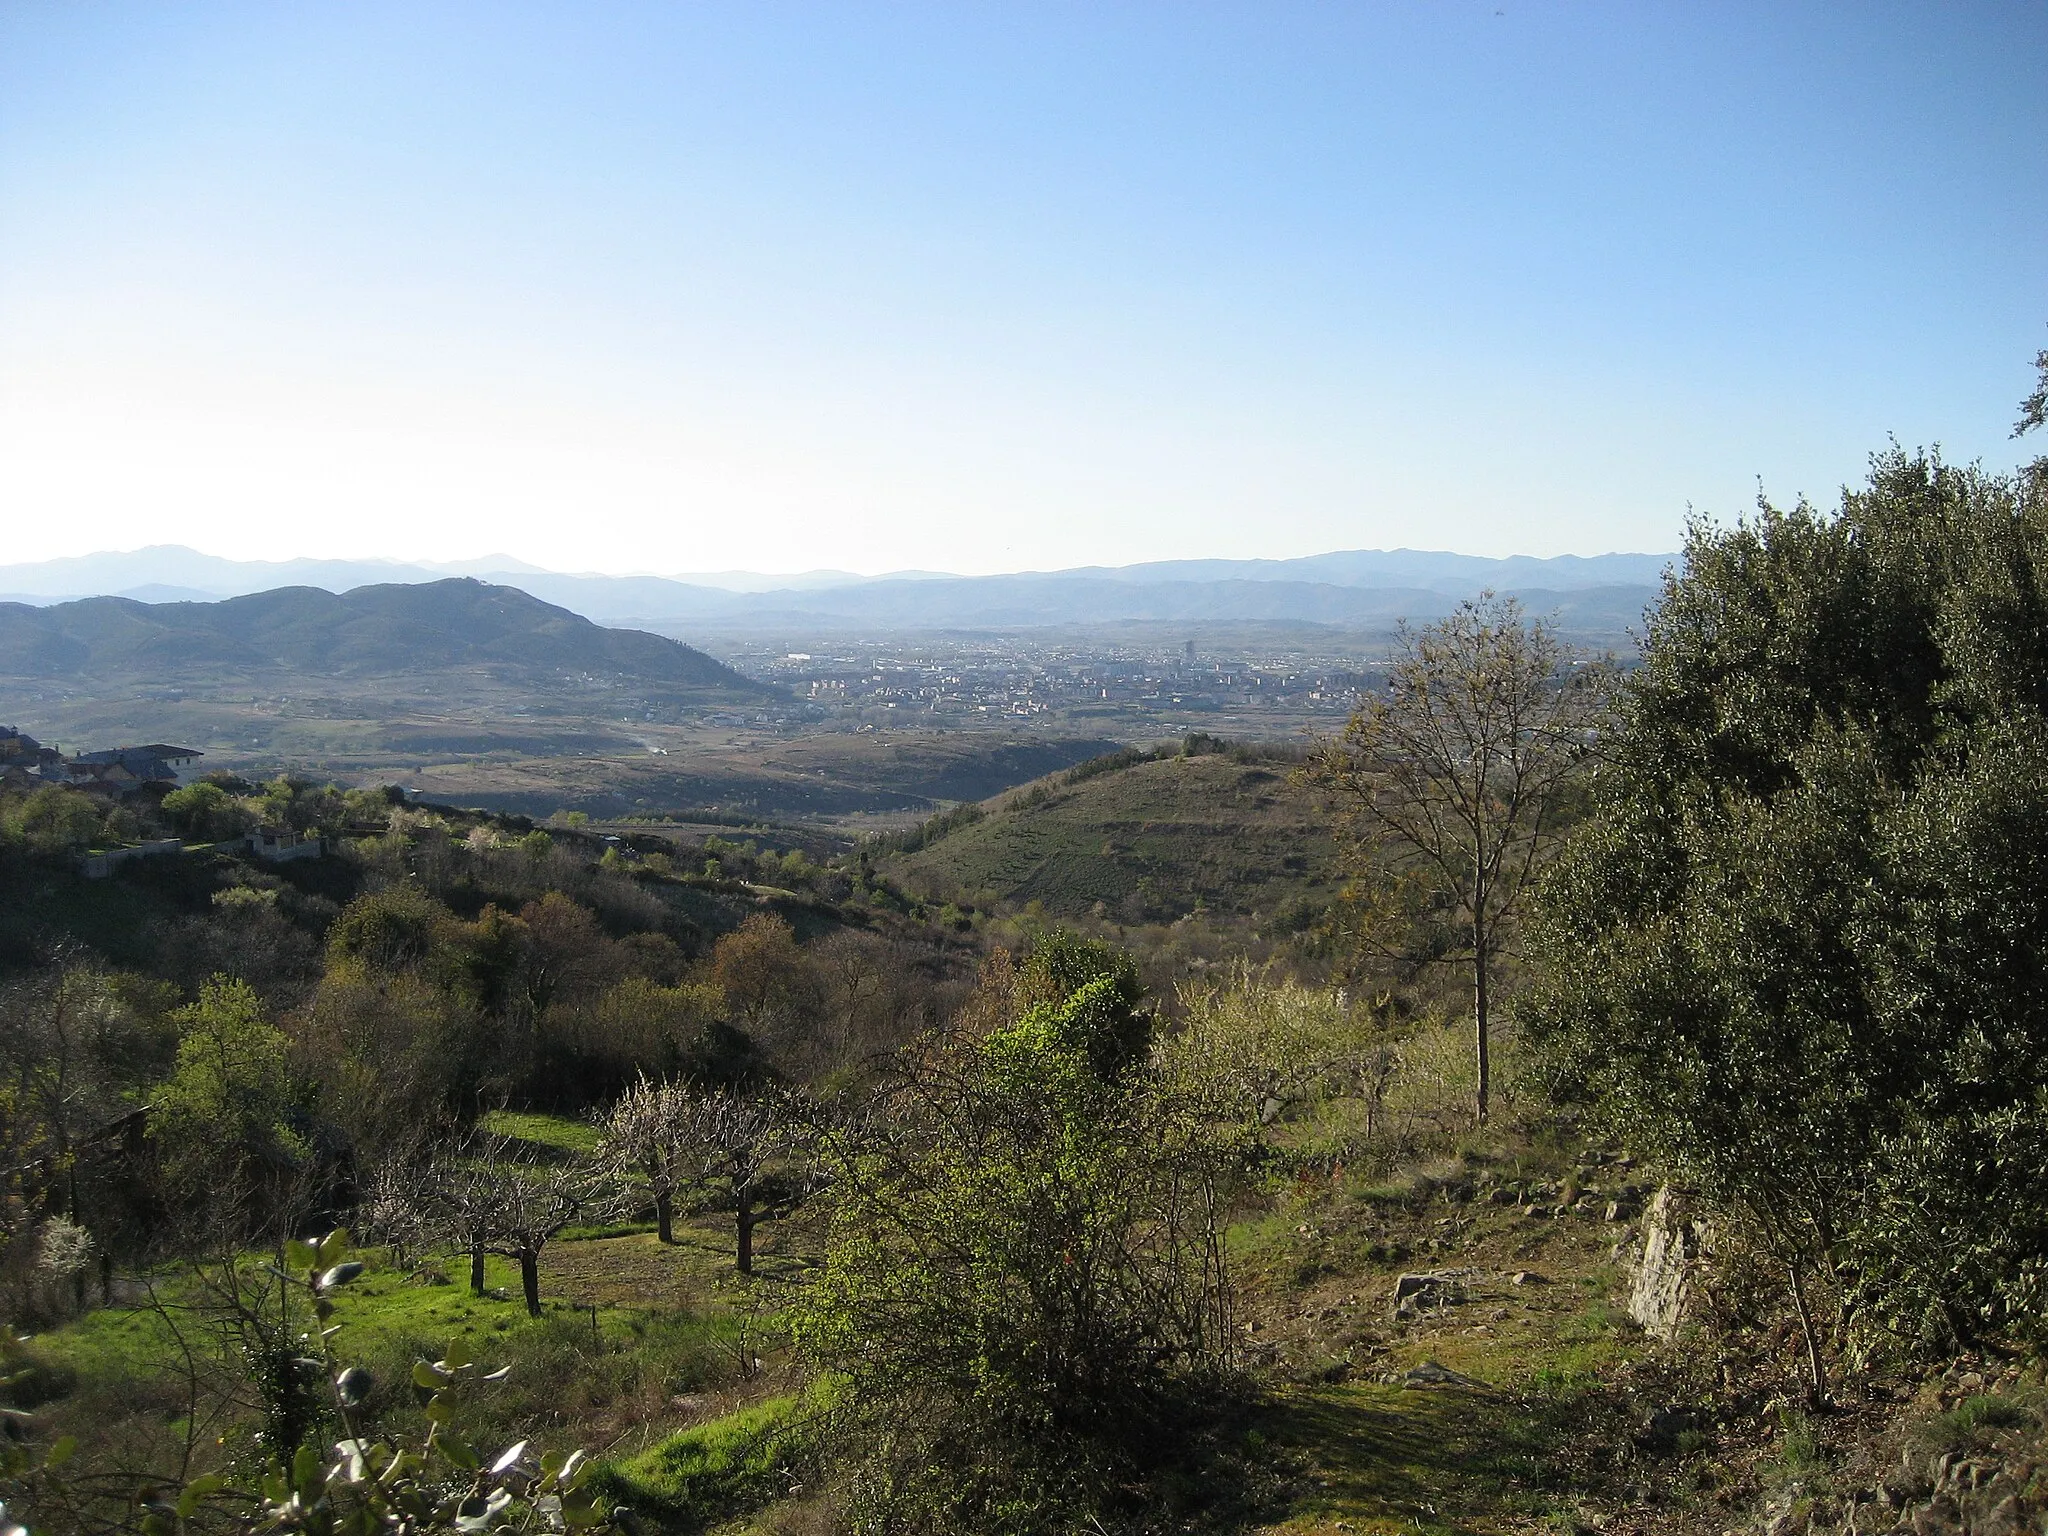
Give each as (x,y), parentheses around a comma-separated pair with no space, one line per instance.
(1668,1250)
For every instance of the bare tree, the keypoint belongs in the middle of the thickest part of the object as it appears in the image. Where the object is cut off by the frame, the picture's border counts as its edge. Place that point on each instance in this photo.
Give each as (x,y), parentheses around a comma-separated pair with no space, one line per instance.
(493,1196)
(742,1139)
(1454,778)
(678,1136)
(652,1132)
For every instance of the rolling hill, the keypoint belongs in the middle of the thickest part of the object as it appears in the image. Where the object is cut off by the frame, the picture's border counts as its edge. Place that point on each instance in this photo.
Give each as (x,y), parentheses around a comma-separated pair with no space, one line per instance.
(1146,840)
(458,624)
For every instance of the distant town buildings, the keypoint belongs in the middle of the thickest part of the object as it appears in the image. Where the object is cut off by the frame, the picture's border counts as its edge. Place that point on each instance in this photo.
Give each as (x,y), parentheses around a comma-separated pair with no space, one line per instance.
(26,763)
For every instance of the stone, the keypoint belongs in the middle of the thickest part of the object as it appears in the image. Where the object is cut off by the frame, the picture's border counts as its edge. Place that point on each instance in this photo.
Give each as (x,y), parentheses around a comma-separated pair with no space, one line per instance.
(1672,1247)
(1433,1373)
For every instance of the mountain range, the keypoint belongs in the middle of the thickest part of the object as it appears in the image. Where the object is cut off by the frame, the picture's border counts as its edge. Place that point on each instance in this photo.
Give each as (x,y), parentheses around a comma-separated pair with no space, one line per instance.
(1354,587)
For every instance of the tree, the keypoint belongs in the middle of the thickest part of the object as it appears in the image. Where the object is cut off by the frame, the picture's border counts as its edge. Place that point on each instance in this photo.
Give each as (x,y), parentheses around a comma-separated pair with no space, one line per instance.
(1798,948)
(650,1132)
(740,1142)
(230,1118)
(1454,780)
(491,1195)
(205,812)
(53,821)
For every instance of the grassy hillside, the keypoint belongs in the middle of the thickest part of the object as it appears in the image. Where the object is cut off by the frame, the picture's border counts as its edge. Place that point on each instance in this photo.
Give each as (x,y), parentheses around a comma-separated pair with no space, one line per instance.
(1147,840)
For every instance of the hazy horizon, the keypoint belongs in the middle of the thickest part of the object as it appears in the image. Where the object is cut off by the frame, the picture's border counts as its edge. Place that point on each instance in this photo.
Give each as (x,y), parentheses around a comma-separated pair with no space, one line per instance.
(501,563)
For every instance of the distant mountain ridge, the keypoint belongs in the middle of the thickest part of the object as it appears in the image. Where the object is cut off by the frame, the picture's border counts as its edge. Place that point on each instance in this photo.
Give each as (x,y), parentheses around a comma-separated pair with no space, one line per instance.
(383,630)
(1354,587)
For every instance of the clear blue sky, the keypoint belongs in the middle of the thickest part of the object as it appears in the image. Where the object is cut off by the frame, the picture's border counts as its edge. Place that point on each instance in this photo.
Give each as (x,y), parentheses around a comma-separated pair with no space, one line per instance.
(995,286)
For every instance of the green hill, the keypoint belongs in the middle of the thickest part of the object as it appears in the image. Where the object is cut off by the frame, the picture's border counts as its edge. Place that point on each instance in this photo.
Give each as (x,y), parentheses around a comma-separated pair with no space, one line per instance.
(1147,840)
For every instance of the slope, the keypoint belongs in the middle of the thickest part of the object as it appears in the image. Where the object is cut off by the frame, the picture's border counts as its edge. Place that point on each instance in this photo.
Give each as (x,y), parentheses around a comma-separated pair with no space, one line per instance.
(1149,839)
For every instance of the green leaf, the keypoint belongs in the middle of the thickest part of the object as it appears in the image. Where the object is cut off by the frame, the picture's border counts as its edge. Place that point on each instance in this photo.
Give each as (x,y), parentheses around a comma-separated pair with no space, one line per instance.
(298,1255)
(456,1355)
(306,1470)
(333,1246)
(458,1450)
(61,1452)
(199,1489)
(429,1376)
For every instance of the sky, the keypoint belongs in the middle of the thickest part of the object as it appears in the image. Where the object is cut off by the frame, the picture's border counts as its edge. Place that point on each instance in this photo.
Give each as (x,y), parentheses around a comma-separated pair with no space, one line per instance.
(995,286)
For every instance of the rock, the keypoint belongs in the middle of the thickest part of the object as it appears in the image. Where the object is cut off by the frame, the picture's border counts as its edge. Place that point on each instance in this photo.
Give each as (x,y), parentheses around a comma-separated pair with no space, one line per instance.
(1413,1292)
(1672,1247)
(1937,1517)
(1415,1285)
(1432,1373)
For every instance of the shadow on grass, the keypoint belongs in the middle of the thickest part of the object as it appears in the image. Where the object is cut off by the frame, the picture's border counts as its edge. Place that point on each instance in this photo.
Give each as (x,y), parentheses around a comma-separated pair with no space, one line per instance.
(1447,1459)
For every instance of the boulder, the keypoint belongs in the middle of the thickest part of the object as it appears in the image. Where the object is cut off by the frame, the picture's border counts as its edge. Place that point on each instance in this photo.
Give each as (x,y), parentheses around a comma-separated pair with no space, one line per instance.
(1671,1250)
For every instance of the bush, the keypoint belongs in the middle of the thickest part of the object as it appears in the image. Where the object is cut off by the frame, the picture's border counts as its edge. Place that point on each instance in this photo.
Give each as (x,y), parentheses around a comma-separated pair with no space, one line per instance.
(1023,1285)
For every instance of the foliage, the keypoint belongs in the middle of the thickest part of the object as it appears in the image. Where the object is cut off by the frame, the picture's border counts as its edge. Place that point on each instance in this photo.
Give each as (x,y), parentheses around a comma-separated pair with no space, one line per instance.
(227,1120)
(206,813)
(368,1481)
(1024,1272)
(1798,950)
(1256,1049)
(50,821)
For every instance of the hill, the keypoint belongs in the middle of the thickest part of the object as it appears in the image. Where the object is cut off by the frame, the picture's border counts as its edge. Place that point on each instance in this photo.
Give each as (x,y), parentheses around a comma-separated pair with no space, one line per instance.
(377,631)
(1148,839)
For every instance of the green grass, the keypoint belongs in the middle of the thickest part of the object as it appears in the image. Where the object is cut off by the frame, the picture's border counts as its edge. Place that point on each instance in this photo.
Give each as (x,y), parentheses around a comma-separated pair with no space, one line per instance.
(726,1467)
(558,1133)
(1973,1422)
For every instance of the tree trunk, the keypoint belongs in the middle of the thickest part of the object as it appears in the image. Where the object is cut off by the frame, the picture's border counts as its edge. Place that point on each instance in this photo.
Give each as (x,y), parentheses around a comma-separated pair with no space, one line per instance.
(665,1215)
(746,1230)
(476,1269)
(529,1281)
(1818,1393)
(1479,1011)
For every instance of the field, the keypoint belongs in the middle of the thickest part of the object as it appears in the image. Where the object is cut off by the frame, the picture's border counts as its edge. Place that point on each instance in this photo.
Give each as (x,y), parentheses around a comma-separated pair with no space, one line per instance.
(1159,838)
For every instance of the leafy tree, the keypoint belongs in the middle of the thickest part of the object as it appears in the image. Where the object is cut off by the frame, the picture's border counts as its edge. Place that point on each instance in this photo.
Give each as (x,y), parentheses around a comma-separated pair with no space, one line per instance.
(52,821)
(1455,780)
(765,975)
(229,1118)
(207,813)
(1798,948)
